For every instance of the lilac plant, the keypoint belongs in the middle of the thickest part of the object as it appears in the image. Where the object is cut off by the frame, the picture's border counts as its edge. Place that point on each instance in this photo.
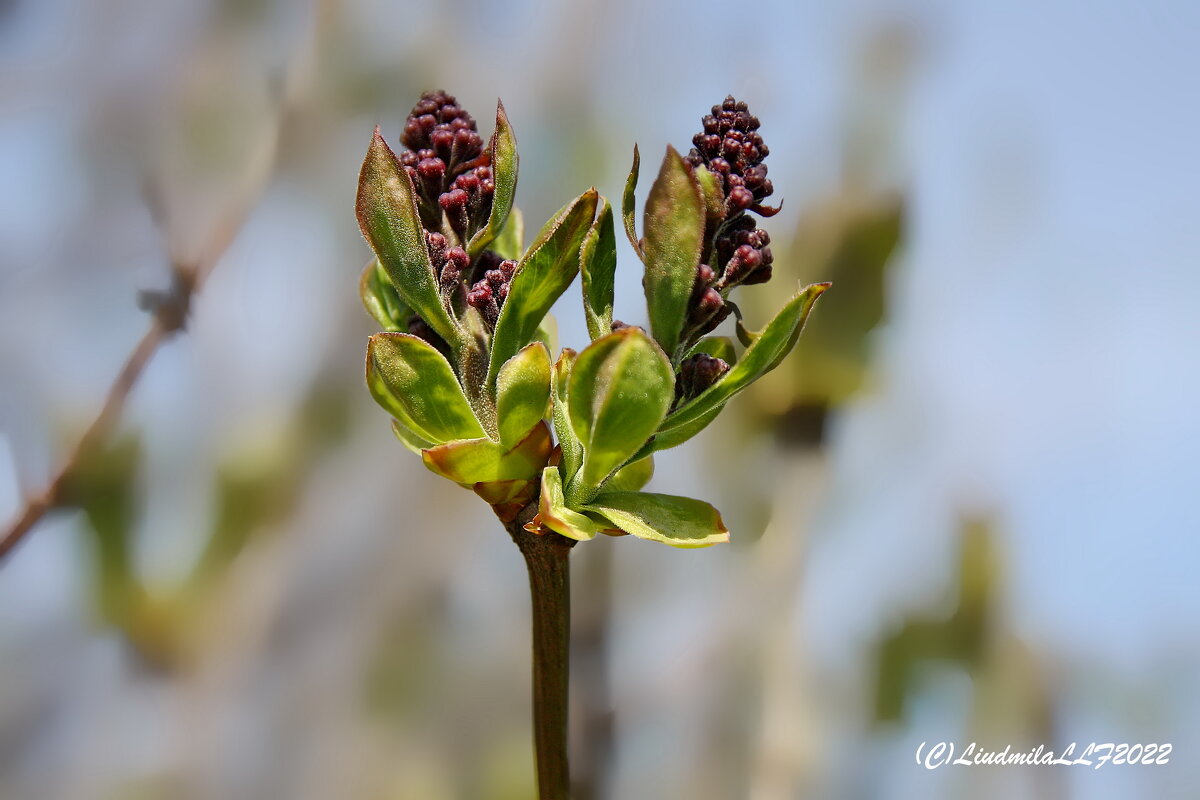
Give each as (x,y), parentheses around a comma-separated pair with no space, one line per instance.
(562,448)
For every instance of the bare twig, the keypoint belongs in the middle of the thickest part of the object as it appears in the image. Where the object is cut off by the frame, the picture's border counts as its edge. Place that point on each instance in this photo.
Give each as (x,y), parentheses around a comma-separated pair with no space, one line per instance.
(170,311)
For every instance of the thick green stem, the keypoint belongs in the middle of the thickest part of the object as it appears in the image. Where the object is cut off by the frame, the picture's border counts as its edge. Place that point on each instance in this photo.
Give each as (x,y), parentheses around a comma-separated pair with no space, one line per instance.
(550,590)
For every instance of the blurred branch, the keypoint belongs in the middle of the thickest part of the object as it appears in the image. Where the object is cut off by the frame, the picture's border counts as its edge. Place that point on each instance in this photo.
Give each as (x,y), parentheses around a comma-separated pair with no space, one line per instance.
(170,310)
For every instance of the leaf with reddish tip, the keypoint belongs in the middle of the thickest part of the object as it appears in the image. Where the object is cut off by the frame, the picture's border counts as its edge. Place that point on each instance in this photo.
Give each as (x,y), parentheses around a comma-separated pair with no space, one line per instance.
(380,300)
(554,514)
(544,273)
(416,384)
(620,389)
(504,174)
(597,268)
(768,349)
(677,521)
(507,498)
(523,392)
(388,217)
(674,233)
(627,203)
(484,461)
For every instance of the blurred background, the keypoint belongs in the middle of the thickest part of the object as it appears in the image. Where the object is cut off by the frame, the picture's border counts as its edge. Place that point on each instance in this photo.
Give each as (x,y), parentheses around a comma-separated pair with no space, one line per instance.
(963,511)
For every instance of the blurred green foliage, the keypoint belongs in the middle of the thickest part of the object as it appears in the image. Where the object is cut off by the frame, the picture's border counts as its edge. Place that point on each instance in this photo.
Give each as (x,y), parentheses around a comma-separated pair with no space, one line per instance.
(959,638)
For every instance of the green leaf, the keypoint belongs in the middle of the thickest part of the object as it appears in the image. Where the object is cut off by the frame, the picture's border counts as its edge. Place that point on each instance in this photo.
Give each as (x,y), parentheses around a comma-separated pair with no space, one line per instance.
(504,173)
(510,243)
(523,392)
(631,477)
(483,461)
(674,233)
(541,276)
(387,214)
(677,436)
(597,267)
(414,382)
(627,203)
(572,450)
(772,345)
(554,514)
(620,389)
(380,300)
(714,200)
(547,332)
(409,439)
(677,521)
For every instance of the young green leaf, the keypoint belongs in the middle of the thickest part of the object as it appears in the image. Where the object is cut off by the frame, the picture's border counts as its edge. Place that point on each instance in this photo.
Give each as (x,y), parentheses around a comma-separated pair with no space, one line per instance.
(631,477)
(410,439)
(772,345)
(627,204)
(387,214)
(523,392)
(483,461)
(674,233)
(547,333)
(665,440)
(510,242)
(380,300)
(572,450)
(597,266)
(714,201)
(504,173)
(716,346)
(554,514)
(413,381)
(677,521)
(621,387)
(542,275)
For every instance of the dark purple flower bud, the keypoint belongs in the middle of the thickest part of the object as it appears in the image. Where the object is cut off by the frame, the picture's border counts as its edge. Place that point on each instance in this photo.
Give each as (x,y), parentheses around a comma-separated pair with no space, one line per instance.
(710,303)
(748,256)
(441,141)
(760,275)
(740,198)
(468,182)
(480,294)
(490,291)
(458,257)
(431,168)
(483,298)
(453,200)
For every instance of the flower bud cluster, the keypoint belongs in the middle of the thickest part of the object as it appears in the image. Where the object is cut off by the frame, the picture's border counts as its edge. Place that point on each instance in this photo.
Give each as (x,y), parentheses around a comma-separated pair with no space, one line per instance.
(449,167)
(697,373)
(451,264)
(490,291)
(732,149)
